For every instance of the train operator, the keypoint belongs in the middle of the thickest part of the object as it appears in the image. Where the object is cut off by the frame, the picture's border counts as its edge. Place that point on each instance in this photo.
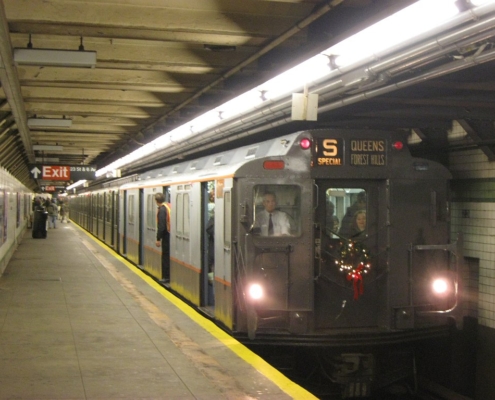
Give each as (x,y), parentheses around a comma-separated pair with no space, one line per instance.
(163,233)
(270,221)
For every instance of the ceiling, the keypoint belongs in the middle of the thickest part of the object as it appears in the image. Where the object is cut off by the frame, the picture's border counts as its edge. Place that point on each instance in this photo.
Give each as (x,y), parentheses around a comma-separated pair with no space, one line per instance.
(160,63)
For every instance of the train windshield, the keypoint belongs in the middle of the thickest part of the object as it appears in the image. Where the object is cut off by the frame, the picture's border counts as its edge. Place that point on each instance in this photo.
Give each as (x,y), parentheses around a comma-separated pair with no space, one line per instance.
(277,210)
(345,213)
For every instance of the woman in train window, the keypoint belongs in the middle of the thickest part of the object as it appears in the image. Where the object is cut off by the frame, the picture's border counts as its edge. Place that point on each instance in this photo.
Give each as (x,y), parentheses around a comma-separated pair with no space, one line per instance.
(358,225)
(348,219)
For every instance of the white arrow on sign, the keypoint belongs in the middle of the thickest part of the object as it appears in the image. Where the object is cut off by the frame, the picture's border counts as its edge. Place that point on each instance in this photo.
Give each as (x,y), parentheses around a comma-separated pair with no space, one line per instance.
(35,171)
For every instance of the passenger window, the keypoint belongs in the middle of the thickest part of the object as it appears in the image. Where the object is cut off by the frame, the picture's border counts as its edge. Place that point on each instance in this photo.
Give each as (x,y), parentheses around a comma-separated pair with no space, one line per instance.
(277,210)
(130,209)
(108,207)
(179,214)
(186,210)
(226,218)
(151,211)
(345,213)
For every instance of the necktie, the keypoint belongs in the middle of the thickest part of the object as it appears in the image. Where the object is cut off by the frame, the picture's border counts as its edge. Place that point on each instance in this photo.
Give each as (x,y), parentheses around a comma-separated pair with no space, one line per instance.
(270,226)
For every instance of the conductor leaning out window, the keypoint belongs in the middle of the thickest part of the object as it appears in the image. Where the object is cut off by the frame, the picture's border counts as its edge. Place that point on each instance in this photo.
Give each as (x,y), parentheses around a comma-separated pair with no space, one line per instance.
(163,233)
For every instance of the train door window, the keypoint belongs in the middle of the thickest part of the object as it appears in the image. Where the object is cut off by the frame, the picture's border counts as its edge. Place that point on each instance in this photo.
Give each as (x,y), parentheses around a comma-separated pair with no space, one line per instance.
(345,212)
(277,210)
(100,206)
(227,228)
(186,215)
(150,211)
(108,207)
(130,209)
(179,215)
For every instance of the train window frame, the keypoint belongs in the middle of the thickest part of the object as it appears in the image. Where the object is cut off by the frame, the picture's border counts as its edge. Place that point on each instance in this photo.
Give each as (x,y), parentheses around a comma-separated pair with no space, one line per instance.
(347,204)
(150,208)
(187,216)
(130,209)
(179,216)
(288,198)
(108,207)
(227,220)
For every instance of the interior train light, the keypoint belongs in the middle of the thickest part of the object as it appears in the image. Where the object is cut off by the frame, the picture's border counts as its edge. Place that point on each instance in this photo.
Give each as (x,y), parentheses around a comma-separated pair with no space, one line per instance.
(273,164)
(398,145)
(305,143)
(255,291)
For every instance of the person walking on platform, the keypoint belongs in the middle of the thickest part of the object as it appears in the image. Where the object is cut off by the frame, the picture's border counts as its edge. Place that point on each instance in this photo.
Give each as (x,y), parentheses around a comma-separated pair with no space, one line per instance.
(63,212)
(52,214)
(163,234)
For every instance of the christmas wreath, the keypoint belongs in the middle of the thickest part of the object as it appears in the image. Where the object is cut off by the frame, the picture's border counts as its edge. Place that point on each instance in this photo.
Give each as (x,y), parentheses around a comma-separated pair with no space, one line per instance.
(354,261)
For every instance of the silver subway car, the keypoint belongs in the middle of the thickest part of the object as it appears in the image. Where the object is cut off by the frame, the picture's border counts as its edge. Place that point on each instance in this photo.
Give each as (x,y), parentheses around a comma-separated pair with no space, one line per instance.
(325,237)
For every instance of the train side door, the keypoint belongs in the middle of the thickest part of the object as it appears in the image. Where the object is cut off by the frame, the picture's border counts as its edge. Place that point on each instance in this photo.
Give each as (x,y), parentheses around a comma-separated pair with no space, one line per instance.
(208,243)
(132,225)
(349,223)
(123,223)
(151,261)
(183,224)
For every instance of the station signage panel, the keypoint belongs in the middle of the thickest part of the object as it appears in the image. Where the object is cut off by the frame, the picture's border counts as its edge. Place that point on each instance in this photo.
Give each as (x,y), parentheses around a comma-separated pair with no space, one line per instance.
(64,173)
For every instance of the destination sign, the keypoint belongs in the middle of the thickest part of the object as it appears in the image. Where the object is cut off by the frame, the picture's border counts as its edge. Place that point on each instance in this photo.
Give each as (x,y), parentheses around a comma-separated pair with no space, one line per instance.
(63,172)
(368,153)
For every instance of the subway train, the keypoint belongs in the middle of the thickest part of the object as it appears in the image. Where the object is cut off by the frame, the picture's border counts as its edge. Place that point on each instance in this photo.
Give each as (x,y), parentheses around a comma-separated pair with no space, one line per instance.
(329,238)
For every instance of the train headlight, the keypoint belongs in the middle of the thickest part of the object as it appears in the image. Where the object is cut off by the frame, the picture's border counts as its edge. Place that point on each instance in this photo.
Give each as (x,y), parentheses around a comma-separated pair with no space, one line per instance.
(255,291)
(439,286)
(444,284)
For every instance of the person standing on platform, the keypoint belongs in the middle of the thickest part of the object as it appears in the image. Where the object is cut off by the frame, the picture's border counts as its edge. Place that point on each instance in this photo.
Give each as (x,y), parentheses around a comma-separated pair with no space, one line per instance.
(163,233)
(52,213)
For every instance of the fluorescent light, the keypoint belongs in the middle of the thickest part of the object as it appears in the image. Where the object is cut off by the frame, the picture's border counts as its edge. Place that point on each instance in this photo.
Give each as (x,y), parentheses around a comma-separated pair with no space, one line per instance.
(46,159)
(480,2)
(77,184)
(42,147)
(392,31)
(65,58)
(49,122)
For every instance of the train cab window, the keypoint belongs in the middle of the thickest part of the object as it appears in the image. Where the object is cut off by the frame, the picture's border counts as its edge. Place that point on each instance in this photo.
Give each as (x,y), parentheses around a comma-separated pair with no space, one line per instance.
(345,213)
(277,210)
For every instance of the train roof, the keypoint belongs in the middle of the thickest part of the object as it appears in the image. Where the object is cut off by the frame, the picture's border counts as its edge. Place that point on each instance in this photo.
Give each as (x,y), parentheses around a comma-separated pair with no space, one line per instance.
(215,166)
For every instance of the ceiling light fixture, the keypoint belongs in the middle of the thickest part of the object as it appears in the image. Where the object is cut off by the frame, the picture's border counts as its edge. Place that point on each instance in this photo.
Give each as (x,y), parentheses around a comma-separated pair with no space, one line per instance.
(46,147)
(51,57)
(49,123)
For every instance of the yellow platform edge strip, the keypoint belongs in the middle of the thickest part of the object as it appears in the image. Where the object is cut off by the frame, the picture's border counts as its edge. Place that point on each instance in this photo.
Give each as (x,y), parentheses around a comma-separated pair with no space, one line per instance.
(284,383)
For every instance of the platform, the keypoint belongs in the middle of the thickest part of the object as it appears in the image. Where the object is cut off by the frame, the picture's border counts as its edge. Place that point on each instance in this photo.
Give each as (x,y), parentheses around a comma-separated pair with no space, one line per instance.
(77,321)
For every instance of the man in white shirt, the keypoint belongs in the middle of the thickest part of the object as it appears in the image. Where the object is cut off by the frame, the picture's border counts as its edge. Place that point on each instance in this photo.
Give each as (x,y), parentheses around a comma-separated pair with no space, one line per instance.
(272,222)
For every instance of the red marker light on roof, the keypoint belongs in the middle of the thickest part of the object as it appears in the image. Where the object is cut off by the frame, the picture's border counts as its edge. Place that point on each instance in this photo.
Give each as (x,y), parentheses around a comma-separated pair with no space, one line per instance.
(273,164)
(398,145)
(305,144)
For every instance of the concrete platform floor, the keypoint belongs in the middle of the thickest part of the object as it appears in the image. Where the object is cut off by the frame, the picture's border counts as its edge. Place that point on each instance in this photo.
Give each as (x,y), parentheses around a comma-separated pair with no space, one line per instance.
(79,322)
